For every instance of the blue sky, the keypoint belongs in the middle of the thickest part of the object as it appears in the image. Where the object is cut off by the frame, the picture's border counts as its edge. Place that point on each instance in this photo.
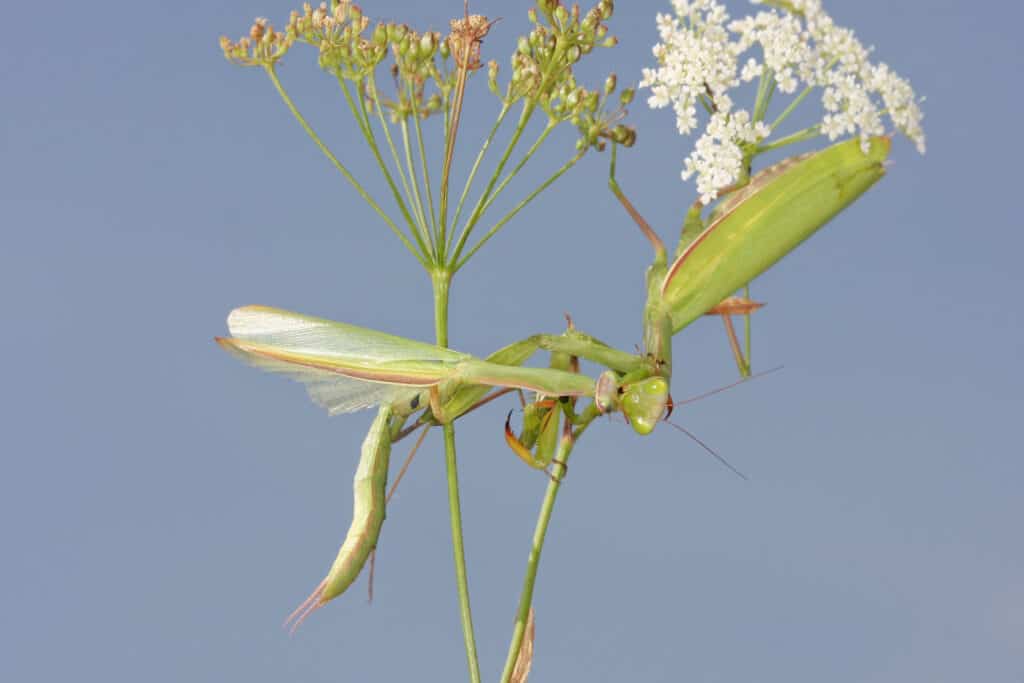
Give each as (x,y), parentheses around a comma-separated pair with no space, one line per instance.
(164,507)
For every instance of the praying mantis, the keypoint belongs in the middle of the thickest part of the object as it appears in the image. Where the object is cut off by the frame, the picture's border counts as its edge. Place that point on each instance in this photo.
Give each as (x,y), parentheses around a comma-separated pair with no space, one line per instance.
(347,368)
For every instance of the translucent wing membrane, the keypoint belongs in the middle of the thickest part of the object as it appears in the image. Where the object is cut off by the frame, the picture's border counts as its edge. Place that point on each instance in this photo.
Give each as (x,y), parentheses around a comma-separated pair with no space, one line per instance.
(344,367)
(316,336)
(334,392)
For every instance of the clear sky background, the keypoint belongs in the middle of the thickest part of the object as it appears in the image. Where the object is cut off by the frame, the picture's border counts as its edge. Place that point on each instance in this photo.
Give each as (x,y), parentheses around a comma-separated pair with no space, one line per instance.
(163,507)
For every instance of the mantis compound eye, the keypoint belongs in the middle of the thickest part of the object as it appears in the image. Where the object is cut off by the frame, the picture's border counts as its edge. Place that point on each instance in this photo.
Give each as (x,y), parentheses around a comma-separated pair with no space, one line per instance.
(606,392)
(644,403)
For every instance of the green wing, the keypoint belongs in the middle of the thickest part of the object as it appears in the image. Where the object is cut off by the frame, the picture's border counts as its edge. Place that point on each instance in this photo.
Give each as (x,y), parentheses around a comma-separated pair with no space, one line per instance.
(344,367)
(782,206)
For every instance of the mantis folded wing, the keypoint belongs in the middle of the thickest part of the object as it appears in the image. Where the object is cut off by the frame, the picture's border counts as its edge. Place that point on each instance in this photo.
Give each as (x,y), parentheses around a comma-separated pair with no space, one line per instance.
(347,368)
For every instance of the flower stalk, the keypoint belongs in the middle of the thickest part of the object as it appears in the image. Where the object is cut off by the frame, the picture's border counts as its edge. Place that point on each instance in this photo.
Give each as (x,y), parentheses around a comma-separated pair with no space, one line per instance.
(432,76)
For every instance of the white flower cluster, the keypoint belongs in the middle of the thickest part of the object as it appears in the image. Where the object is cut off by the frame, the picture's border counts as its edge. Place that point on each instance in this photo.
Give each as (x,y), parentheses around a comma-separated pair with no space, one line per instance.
(800,46)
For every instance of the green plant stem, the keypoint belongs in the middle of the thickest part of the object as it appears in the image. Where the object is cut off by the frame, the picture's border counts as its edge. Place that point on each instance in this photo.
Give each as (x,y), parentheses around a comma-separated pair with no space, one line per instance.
(799,98)
(418,207)
(474,216)
(362,117)
(565,446)
(516,209)
(341,167)
(791,107)
(476,165)
(394,151)
(765,88)
(451,130)
(522,162)
(438,229)
(442,282)
(799,136)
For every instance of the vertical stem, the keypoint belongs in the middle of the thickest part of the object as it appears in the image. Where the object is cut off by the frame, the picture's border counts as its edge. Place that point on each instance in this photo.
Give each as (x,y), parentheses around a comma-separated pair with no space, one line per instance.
(533,563)
(453,129)
(442,282)
(565,446)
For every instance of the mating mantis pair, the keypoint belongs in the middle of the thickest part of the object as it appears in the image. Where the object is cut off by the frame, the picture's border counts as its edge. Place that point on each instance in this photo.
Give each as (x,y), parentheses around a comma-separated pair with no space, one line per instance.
(346,368)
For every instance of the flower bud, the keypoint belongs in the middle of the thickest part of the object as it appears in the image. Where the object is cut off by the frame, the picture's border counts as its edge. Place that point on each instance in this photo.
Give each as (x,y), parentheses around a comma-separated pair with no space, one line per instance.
(445,49)
(523,45)
(612,41)
(380,35)
(624,135)
(427,44)
(609,84)
(626,96)
(561,15)
(355,14)
(531,14)
(573,54)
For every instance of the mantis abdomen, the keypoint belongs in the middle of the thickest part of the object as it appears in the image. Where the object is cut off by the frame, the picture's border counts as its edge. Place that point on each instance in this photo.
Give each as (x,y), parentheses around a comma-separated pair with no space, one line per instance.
(368,488)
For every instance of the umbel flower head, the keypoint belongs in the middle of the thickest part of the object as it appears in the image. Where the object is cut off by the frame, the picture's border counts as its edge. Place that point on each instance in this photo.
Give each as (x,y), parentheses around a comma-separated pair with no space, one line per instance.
(794,44)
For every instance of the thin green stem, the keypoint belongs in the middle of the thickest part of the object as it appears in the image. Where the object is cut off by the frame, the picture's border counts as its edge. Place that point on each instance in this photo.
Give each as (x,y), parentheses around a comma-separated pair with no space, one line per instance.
(565,446)
(791,107)
(799,136)
(765,88)
(442,283)
(394,151)
(418,201)
(799,98)
(474,216)
(518,167)
(438,229)
(341,167)
(476,165)
(462,75)
(362,117)
(516,209)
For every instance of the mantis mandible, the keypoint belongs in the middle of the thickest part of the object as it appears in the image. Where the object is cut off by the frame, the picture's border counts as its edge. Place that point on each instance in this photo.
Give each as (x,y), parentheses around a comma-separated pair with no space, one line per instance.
(347,368)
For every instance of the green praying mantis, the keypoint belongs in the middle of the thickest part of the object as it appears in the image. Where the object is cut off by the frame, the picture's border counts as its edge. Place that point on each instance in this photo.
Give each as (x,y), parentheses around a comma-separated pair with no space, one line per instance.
(347,368)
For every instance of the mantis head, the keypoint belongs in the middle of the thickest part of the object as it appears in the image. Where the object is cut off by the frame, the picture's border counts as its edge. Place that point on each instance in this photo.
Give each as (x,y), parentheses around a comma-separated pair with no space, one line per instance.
(642,402)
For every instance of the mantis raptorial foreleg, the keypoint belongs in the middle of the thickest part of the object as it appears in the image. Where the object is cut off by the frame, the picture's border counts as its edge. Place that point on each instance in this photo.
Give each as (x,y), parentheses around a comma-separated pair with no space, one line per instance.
(538,442)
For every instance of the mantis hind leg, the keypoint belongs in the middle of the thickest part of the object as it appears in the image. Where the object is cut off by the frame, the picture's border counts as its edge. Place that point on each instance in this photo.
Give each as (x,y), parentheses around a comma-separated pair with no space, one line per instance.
(738,305)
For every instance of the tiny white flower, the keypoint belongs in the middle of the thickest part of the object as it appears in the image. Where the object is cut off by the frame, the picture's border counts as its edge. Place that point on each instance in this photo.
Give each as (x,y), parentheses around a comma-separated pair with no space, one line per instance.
(699,61)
